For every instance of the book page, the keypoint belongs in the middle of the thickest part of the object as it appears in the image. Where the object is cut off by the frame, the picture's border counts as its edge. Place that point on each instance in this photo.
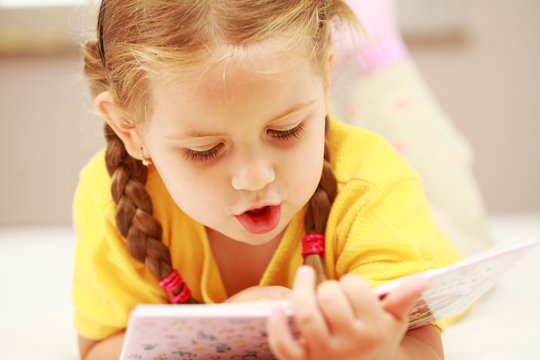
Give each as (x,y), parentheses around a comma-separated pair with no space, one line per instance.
(224,331)
(454,288)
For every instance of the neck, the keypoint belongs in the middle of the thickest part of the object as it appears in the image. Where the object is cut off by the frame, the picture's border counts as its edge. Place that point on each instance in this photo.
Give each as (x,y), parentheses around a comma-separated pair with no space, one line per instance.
(240,264)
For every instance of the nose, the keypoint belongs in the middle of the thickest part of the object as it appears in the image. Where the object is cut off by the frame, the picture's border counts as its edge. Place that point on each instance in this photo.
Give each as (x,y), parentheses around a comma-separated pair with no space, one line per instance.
(253,172)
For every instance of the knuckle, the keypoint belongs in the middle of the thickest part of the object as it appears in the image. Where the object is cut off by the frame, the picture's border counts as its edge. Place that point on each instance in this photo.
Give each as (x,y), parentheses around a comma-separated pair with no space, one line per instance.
(303,319)
(326,293)
(355,282)
(371,337)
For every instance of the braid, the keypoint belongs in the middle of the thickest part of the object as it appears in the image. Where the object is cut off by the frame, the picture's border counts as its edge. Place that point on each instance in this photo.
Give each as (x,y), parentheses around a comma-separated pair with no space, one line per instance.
(318,210)
(134,218)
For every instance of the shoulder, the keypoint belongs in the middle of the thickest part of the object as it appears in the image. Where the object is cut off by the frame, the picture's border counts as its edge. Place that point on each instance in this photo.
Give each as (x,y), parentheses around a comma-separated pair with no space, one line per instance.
(358,155)
(380,215)
(368,170)
(93,207)
(95,180)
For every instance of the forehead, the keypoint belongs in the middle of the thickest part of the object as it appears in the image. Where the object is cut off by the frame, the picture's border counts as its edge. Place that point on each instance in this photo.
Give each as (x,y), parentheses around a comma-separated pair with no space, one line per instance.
(232,71)
(244,85)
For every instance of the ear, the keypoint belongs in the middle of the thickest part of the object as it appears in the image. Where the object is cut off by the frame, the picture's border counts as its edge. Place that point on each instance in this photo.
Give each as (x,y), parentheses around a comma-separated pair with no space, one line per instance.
(124,128)
(328,75)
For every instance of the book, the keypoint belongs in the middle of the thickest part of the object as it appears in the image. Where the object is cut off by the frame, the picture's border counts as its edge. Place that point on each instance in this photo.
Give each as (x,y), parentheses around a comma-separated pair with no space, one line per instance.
(238,330)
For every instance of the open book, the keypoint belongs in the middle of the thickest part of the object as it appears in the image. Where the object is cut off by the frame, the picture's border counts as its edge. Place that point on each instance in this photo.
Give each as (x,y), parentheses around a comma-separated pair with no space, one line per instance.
(238,330)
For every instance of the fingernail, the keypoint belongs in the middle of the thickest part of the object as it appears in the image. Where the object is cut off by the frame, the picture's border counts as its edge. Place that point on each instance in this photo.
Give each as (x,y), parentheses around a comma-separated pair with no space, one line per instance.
(304,271)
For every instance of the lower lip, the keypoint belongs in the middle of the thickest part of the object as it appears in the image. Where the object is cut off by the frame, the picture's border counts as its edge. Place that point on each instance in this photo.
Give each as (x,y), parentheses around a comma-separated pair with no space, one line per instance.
(261,221)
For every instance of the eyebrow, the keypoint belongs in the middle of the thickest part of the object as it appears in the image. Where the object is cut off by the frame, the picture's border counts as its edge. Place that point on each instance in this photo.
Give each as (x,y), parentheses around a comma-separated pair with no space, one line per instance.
(293,109)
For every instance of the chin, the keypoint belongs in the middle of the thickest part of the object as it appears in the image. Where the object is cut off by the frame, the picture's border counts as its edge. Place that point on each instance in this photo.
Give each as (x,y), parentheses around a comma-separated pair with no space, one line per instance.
(262,239)
(259,239)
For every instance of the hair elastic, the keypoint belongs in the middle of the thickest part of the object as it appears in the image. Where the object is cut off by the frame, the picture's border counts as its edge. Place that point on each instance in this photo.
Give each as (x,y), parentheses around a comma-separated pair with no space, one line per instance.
(172,282)
(312,244)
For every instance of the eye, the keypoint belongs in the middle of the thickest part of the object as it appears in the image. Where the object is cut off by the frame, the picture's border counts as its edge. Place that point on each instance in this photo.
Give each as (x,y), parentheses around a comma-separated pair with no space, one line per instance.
(287,135)
(205,155)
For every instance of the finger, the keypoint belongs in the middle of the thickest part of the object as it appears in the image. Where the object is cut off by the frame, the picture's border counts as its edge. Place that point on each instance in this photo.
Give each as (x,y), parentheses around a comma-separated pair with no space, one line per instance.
(307,315)
(336,308)
(359,292)
(400,301)
(280,338)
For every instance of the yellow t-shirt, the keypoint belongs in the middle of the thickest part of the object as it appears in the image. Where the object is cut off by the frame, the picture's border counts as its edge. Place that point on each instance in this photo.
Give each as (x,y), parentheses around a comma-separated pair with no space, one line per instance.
(379,227)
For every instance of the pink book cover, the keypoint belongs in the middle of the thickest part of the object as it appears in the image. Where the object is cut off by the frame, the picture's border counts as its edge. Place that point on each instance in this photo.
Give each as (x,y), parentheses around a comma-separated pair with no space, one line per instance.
(238,330)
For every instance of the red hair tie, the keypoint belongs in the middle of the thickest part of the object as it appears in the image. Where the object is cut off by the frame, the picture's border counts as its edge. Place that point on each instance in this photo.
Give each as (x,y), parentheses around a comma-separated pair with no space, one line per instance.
(172,282)
(312,244)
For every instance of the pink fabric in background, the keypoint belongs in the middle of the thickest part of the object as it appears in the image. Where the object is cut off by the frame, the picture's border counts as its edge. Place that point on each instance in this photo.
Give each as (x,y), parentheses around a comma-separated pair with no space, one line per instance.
(381,45)
(377,86)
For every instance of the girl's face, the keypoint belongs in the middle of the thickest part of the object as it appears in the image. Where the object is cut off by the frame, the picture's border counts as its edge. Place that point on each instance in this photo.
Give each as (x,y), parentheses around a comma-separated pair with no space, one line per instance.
(240,145)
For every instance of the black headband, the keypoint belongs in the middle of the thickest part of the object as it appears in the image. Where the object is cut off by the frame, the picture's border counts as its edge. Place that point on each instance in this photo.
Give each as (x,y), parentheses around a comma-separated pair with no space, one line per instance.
(101,49)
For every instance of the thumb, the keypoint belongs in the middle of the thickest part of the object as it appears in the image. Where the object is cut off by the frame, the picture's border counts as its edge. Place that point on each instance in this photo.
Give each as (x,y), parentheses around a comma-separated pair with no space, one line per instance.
(400,301)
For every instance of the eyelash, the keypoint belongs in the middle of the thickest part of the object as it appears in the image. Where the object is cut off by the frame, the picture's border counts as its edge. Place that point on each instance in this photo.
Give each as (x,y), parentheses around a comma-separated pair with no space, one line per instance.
(200,156)
(288,135)
(285,136)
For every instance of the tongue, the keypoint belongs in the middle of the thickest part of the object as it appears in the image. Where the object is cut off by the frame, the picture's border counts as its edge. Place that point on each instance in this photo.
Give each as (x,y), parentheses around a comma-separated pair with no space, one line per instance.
(257,212)
(260,221)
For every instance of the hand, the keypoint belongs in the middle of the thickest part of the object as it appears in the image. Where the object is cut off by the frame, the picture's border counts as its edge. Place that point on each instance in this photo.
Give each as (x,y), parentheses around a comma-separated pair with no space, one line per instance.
(343,320)
(262,293)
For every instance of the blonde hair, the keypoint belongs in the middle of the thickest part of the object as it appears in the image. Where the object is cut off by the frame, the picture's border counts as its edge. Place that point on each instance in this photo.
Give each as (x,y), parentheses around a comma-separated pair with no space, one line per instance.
(138,38)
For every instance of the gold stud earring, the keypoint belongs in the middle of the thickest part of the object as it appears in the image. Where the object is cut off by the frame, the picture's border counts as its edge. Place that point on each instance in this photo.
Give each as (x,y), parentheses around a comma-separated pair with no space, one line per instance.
(145,161)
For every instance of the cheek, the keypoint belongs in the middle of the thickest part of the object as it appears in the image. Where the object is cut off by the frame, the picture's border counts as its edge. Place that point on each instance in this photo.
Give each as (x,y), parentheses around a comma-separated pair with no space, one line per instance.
(205,204)
(305,167)
(198,194)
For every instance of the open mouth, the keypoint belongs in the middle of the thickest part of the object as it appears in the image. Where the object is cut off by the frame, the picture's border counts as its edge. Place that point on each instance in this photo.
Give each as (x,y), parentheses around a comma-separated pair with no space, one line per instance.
(258,212)
(261,220)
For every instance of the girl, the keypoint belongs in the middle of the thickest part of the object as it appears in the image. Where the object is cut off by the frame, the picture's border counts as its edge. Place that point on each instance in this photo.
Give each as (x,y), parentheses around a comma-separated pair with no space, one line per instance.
(223,170)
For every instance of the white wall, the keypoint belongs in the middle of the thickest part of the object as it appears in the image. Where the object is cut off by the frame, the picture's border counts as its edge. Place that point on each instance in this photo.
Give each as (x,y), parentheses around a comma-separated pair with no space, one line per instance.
(47,132)
(489,83)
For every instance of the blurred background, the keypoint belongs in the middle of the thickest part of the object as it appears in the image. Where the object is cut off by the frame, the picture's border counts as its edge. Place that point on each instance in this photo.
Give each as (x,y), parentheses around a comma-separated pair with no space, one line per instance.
(479,57)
